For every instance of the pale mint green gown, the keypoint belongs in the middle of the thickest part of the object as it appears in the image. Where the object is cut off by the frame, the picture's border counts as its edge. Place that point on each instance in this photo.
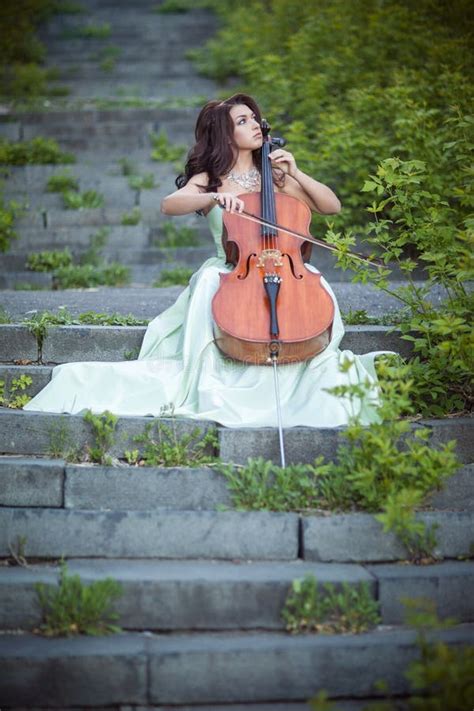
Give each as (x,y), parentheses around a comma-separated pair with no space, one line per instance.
(180,367)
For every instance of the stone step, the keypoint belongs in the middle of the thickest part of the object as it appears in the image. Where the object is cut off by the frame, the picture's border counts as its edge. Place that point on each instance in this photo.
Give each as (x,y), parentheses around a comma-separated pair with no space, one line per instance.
(24,432)
(218,595)
(228,535)
(206,668)
(149,302)
(142,87)
(37,482)
(126,67)
(63,344)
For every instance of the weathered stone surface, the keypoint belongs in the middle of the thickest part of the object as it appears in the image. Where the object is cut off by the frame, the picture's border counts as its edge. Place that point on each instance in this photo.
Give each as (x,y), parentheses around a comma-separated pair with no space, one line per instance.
(25,432)
(457,493)
(52,533)
(26,482)
(358,537)
(64,344)
(450,585)
(302,444)
(40,376)
(179,595)
(65,672)
(17,342)
(144,488)
(211,667)
(459,428)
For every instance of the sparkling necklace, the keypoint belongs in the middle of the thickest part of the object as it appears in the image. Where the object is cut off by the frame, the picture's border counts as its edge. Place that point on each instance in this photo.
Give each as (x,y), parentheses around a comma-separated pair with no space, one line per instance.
(248,181)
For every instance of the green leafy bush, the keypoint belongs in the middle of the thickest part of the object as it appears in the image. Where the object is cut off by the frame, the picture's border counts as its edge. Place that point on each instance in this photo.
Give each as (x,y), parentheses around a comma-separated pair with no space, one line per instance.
(131,218)
(177,236)
(142,182)
(87,200)
(83,276)
(63,182)
(163,151)
(103,429)
(8,213)
(174,277)
(74,608)
(330,610)
(37,151)
(15,398)
(163,447)
(48,261)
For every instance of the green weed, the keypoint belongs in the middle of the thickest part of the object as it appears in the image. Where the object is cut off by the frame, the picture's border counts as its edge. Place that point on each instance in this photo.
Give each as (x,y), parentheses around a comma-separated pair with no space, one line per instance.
(83,276)
(131,218)
(163,151)
(177,236)
(15,398)
(74,608)
(101,31)
(173,277)
(103,429)
(9,211)
(347,609)
(37,151)
(78,201)
(61,183)
(142,182)
(48,261)
(163,447)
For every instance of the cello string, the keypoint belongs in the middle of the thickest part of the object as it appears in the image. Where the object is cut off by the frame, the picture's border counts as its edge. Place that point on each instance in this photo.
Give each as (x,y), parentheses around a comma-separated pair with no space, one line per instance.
(374,261)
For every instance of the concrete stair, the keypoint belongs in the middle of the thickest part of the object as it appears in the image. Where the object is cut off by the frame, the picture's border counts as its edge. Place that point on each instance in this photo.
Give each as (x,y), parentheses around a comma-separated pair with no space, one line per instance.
(203,584)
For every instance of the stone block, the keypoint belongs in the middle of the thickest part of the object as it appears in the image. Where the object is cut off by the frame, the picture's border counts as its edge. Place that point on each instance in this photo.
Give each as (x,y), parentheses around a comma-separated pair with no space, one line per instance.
(19,602)
(302,444)
(10,131)
(39,374)
(143,488)
(53,533)
(363,339)
(66,344)
(23,432)
(59,673)
(457,493)
(212,668)
(450,585)
(17,342)
(26,482)
(359,537)
(459,428)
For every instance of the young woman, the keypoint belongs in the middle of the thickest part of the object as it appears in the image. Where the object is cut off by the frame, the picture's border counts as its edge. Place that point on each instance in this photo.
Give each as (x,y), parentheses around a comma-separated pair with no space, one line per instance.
(179,366)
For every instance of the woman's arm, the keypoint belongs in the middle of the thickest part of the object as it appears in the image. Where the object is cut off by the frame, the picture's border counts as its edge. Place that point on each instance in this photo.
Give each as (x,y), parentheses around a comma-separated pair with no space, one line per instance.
(316,195)
(192,198)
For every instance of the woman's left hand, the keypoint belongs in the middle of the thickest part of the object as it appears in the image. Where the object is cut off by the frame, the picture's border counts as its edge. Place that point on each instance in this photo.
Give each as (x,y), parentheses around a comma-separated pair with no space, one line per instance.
(284,160)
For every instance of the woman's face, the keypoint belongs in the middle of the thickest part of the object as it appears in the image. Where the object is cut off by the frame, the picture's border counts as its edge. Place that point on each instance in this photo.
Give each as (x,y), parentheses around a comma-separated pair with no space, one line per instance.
(247,131)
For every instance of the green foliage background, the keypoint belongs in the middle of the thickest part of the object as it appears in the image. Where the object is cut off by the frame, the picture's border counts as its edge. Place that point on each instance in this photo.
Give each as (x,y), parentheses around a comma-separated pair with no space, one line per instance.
(375,99)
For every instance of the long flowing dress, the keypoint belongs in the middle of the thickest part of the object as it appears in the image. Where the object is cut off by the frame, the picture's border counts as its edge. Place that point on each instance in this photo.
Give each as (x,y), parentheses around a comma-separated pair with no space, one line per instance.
(180,369)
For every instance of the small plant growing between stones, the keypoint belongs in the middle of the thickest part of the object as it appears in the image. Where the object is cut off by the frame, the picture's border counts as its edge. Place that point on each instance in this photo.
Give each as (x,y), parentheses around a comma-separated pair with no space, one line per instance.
(131,218)
(330,610)
(176,236)
(89,199)
(74,608)
(61,183)
(103,428)
(61,444)
(142,182)
(163,447)
(164,151)
(174,277)
(48,260)
(16,398)
(9,211)
(37,151)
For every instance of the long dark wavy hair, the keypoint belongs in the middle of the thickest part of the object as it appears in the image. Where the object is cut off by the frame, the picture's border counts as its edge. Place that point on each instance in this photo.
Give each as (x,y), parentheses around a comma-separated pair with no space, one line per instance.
(215,151)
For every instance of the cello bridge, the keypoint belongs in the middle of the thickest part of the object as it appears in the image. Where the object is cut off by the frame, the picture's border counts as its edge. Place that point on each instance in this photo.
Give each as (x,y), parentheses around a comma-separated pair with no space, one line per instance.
(271,255)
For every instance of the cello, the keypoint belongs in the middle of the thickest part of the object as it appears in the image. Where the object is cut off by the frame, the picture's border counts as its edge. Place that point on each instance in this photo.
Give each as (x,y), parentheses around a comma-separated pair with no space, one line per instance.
(271,307)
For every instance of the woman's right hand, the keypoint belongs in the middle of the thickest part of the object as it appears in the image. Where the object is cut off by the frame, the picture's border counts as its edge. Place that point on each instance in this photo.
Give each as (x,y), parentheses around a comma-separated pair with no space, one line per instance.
(229,201)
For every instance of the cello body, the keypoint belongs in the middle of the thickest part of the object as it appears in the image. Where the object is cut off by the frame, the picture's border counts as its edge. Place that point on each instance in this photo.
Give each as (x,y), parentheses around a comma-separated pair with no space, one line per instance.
(251,324)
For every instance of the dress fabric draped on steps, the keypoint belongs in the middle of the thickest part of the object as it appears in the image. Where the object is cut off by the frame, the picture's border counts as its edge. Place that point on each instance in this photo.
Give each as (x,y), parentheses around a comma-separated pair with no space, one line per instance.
(179,366)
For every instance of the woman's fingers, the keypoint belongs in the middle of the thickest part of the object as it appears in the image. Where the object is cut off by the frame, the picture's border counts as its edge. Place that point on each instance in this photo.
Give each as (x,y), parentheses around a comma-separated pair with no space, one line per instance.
(230,202)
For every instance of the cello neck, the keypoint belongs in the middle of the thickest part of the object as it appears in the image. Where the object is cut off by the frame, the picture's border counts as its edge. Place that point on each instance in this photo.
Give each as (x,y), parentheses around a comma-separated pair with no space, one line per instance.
(267,193)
